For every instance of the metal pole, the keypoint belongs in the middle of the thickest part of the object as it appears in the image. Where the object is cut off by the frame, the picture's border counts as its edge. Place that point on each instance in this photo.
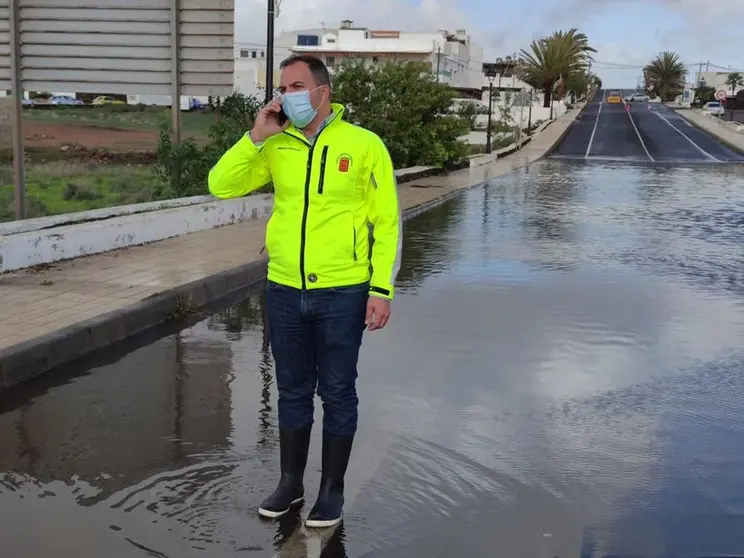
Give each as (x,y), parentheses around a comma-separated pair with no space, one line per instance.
(439,53)
(529,116)
(270,51)
(16,90)
(521,112)
(176,89)
(490,104)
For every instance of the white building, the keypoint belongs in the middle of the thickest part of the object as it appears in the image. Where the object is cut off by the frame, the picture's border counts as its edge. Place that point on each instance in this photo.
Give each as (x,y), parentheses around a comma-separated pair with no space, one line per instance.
(717,80)
(454,56)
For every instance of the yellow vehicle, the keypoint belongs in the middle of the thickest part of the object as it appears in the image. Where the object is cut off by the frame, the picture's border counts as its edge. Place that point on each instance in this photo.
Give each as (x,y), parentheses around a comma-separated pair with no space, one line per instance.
(614,97)
(106,100)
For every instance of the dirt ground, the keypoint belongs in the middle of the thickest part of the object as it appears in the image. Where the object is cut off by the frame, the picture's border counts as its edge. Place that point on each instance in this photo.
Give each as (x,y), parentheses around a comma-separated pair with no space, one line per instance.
(44,135)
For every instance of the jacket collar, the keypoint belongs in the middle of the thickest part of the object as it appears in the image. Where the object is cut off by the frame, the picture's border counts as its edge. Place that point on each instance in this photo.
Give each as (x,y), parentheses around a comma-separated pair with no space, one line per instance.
(337,114)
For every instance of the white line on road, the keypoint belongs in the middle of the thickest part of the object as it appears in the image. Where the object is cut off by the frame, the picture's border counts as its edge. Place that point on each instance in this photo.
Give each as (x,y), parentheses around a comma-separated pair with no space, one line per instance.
(594,131)
(639,136)
(703,151)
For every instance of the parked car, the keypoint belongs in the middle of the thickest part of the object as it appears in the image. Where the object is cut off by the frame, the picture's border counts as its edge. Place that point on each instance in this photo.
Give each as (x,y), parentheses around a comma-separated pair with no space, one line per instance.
(713,107)
(64,100)
(637,98)
(107,100)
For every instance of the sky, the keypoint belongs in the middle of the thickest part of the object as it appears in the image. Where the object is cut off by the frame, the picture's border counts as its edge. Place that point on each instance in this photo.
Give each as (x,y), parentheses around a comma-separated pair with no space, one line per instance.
(626,33)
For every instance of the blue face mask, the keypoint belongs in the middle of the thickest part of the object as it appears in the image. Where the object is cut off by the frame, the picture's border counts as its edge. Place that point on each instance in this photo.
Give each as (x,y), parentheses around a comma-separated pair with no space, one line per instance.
(298,108)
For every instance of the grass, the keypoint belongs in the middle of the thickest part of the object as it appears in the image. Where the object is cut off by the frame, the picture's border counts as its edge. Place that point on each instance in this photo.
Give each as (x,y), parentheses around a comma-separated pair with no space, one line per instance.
(195,123)
(57,187)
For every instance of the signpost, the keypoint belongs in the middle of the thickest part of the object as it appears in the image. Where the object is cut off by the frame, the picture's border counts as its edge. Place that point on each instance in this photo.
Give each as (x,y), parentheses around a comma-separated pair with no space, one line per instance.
(721,95)
(155,47)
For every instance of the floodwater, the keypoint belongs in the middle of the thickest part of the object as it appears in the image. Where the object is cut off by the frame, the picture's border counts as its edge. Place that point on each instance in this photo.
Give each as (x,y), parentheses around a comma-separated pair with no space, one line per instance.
(561,377)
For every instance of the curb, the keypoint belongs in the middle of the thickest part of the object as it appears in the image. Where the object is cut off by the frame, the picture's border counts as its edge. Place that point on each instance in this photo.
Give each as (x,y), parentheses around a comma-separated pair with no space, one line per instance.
(719,139)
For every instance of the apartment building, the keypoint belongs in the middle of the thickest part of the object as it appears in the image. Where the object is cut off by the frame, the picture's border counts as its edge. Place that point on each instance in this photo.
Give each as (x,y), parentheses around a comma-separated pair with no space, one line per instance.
(455,58)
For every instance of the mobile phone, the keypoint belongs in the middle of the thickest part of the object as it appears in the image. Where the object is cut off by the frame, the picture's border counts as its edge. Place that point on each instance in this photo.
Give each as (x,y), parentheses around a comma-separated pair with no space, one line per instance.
(281,117)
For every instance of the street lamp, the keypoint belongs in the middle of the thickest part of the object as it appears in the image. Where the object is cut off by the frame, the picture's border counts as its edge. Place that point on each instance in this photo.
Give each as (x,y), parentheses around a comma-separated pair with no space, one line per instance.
(270,50)
(491,75)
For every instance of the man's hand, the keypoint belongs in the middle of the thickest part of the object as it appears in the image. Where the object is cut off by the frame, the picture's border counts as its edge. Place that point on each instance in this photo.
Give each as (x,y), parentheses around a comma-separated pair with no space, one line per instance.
(267,122)
(378,313)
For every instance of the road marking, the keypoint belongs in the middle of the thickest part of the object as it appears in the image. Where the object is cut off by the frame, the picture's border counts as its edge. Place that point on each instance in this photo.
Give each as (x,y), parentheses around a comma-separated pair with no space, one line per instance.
(639,136)
(703,151)
(594,131)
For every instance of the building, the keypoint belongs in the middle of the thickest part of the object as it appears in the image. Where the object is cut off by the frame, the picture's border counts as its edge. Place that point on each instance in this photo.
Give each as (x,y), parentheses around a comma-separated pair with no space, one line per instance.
(716,80)
(452,56)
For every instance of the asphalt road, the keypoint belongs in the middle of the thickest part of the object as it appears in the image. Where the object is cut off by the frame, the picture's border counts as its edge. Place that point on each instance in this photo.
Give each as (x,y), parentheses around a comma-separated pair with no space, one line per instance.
(647,132)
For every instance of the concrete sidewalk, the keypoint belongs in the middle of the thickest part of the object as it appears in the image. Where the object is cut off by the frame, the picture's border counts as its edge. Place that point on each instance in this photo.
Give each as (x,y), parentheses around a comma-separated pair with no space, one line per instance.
(721,130)
(54,314)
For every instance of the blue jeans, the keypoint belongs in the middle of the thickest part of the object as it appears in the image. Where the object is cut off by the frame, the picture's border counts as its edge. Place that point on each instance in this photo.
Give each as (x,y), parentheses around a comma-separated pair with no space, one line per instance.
(315,336)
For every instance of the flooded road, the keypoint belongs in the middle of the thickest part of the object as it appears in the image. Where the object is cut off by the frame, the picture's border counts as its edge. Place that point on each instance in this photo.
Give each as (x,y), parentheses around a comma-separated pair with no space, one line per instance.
(561,377)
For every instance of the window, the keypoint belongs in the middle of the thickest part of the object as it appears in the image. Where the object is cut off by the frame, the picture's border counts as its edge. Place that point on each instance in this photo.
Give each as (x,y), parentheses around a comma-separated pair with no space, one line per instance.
(331,40)
(253,54)
(262,54)
(245,53)
(330,61)
(375,59)
(307,40)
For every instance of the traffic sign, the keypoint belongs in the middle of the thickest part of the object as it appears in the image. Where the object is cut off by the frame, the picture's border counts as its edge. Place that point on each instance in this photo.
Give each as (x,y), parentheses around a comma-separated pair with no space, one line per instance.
(721,95)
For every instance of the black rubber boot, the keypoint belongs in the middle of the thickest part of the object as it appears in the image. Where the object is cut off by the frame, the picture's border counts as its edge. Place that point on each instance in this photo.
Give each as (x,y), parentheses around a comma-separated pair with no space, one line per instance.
(294,444)
(328,508)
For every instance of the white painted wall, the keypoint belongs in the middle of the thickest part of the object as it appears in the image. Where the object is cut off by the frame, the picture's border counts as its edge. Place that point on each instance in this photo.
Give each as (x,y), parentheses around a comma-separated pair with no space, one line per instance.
(60,237)
(26,249)
(717,80)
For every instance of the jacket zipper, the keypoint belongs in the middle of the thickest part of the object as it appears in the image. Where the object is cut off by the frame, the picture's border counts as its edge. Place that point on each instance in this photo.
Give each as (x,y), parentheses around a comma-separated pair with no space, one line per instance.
(323,158)
(354,246)
(306,206)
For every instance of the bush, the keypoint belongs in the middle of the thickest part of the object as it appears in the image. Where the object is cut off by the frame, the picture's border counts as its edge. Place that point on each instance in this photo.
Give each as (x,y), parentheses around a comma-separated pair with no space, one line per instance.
(407,108)
(401,102)
(183,169)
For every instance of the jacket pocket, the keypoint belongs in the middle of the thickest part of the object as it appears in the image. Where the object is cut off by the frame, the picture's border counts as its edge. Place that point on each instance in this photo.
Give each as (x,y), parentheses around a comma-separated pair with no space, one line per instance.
(354,238)
(323,158)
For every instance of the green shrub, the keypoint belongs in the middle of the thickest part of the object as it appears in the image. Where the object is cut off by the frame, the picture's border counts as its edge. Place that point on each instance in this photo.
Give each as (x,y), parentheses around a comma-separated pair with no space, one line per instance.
(183,169)
(403,104)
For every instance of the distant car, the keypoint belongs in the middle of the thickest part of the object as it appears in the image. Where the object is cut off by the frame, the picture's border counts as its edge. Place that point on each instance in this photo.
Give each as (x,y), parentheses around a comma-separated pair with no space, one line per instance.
(64,100)
(614,97)
(637,98)
(106,100)
(196,104)
(713,107)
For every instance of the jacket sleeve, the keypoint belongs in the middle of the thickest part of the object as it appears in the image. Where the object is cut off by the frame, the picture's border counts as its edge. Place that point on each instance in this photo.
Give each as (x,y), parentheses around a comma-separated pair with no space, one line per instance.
(384,213)
(240,171)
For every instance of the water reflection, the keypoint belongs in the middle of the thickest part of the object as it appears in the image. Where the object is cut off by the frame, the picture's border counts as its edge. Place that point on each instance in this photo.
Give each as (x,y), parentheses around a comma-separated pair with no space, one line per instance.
(561,377)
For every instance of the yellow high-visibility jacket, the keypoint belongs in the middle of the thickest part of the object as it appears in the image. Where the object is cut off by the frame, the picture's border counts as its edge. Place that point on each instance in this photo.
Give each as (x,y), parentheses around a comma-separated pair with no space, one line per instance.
(325,194)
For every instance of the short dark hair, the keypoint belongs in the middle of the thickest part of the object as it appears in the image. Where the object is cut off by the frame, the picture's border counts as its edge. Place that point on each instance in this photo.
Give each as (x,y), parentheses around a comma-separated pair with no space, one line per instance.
(316,65)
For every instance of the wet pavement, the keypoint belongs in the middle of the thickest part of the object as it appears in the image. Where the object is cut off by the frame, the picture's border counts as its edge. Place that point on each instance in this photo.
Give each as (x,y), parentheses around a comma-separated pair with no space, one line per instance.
(561,377)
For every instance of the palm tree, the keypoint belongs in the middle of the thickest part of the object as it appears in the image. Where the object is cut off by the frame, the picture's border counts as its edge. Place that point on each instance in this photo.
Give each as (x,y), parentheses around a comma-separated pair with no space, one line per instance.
(555,60)
(665,74)
(734,80)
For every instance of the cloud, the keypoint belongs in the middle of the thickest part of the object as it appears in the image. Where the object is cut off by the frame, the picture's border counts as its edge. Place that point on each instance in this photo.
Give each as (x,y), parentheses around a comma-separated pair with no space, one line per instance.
(409,15)
(425,15)
(697,29)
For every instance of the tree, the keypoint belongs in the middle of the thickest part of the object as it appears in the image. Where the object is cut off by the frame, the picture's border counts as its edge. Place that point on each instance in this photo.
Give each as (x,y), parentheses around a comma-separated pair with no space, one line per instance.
(555,59)
(665,74)
(705,94)
(403,104)
(734,80)
(183,169)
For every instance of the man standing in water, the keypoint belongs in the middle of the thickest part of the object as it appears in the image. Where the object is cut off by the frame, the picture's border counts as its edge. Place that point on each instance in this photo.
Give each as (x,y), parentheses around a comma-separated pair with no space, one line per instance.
(331,179)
